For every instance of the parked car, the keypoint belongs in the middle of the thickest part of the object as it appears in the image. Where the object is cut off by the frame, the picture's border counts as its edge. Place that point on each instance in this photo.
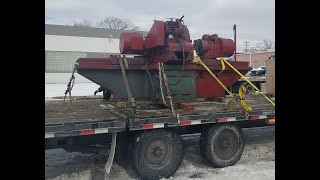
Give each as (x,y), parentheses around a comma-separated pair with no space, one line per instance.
(260,71)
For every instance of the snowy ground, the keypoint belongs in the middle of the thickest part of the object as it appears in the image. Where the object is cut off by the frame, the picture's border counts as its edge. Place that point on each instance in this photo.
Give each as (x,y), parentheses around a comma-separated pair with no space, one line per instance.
(257,162)
(79,89)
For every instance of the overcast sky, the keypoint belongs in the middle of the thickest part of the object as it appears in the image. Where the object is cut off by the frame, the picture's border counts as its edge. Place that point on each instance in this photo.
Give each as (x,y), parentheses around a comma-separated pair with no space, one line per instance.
(255,19)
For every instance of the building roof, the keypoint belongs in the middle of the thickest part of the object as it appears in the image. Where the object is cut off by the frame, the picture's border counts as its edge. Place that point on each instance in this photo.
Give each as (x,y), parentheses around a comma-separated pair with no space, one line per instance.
(265,52)
(271,50)
(53,29)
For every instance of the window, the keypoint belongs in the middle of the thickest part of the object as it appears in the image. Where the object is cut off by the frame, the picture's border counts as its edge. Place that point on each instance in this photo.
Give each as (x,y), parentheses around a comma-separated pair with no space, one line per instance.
(61,62)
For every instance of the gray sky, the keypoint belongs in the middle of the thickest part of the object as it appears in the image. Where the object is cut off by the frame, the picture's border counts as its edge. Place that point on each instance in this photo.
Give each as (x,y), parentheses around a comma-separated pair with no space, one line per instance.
(255,19)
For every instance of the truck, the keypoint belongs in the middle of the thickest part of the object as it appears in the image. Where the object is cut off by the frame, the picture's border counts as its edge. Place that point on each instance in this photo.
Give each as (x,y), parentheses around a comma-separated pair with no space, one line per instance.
(153,98)
(256,76)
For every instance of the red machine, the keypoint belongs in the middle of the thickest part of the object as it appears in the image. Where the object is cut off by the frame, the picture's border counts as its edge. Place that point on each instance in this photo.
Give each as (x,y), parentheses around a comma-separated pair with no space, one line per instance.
(166,41)
(211,47)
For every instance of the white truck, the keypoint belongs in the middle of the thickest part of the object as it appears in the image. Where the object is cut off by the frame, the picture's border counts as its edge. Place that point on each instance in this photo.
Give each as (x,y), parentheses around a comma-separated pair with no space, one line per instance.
(256,76)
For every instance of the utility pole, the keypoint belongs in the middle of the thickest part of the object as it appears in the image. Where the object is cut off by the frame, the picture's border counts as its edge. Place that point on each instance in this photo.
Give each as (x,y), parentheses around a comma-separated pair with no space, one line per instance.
(246,46)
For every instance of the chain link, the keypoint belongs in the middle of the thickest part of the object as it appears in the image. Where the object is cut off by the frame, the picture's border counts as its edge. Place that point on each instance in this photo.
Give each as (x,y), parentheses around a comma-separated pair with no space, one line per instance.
(168,90)
(161,88)
(162,73)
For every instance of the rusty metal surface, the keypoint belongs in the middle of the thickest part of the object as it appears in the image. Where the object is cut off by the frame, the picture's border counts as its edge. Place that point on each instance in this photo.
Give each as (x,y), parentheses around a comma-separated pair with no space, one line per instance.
(84,110)
(148,109)
(208,87)
(166,41)
(131,43)
(211,47)
(156,35)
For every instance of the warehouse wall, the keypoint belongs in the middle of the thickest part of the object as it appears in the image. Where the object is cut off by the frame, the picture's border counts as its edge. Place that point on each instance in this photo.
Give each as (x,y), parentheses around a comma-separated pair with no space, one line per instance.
(81,44)
(257,59)
(65,44)
(63,61)
(63,78)
(63,51)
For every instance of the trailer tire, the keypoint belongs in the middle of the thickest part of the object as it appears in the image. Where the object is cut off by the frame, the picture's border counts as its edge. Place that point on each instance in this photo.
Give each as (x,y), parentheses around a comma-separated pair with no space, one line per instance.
(235,87)
(202,143)
(121,155)
(156,154)
(249,89)
(222,145)
(106,95)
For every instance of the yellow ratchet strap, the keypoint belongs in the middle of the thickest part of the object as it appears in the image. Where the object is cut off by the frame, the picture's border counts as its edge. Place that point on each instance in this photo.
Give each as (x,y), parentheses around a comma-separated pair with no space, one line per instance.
(257,89)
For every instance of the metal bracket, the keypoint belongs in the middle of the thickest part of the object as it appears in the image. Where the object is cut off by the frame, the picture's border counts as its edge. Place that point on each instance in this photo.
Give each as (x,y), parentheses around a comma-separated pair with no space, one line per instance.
(111,154)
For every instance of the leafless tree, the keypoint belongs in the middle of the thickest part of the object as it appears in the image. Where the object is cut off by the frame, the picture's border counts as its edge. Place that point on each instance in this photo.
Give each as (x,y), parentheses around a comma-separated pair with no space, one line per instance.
(84,23)
(268,44)
(252,50)
(116,23)
(262,47)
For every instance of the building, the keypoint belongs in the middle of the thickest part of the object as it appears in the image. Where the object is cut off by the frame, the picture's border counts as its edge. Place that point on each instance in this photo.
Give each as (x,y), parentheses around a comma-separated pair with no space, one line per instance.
(256,59)
(271,76)
(65,44)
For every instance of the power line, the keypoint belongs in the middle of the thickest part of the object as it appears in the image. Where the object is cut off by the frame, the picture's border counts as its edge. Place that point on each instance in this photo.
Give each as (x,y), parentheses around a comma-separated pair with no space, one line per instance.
(246,46)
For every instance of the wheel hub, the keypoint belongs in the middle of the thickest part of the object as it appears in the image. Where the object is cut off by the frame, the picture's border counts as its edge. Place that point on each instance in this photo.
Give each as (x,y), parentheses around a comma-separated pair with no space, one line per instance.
(225,144)
(157,152)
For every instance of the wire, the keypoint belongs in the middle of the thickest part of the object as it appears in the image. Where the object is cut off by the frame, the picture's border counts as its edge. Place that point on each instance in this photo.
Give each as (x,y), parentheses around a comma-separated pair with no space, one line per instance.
(150,77)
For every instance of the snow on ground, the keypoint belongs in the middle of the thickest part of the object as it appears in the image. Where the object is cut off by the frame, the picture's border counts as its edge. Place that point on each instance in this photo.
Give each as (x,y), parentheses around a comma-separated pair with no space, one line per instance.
(263,170)
(79,89)
(256,163)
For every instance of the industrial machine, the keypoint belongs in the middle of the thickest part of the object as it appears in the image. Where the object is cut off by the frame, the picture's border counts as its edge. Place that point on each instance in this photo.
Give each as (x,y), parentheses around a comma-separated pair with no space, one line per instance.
(162,68)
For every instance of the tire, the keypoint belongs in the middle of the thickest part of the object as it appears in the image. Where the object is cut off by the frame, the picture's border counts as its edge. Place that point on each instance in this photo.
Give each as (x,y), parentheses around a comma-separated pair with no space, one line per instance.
(121,155)
(156,154)
(203,136)
(235,87)
(106,95)
(249,89)
(222,145)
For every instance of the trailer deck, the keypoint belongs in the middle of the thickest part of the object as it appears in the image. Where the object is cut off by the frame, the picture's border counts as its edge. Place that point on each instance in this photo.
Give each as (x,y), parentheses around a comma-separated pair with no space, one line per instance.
(86,116)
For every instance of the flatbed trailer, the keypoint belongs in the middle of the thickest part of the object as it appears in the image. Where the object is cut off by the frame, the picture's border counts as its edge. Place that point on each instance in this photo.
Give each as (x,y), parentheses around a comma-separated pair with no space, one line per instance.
(151,139)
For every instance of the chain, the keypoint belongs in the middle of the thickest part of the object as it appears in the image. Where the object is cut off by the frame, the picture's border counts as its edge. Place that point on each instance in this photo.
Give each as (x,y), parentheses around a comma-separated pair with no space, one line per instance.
(70,86)
(161,88)
(161,72)
(168,91)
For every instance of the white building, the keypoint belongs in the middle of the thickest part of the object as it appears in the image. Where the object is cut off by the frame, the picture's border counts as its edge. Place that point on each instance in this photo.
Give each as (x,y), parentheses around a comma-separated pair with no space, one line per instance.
(65,44)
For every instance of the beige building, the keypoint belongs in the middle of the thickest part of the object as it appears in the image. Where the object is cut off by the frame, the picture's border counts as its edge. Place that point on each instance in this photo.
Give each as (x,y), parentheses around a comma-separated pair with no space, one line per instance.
(256,59)
(270,65)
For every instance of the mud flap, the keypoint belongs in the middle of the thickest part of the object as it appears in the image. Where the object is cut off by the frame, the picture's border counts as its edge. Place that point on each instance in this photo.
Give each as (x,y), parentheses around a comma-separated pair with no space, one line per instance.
(111,154)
